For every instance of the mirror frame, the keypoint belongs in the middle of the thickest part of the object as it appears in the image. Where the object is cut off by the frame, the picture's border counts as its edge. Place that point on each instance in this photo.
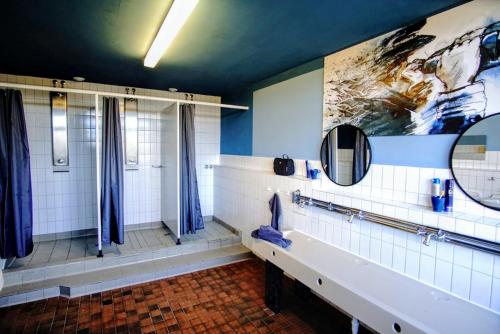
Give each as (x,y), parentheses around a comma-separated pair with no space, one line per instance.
(450,162)
(369,159)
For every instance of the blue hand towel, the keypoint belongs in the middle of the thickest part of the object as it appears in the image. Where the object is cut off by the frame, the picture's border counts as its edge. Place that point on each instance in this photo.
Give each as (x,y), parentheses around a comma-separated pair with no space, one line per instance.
(268,233)
(275,207)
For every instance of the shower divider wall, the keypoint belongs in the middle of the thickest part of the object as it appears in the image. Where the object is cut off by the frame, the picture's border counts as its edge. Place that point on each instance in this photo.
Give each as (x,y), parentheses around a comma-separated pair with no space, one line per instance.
(68,203)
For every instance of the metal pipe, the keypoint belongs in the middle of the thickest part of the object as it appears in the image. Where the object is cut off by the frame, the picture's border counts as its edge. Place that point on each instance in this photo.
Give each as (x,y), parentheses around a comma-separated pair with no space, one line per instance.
(98,176)
(426,232)
(139,97)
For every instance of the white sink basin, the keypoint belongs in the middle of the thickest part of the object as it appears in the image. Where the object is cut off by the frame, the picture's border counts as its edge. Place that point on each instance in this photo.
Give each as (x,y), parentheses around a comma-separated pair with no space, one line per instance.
(491,201)
(376,295)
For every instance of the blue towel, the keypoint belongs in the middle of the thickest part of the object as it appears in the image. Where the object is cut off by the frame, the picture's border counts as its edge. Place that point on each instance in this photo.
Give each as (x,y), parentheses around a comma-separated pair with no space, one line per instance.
(268,233)
(275,207)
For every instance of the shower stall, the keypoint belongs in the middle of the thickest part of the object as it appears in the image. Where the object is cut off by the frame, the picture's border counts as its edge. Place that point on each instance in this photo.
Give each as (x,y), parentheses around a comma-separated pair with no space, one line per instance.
(66,144)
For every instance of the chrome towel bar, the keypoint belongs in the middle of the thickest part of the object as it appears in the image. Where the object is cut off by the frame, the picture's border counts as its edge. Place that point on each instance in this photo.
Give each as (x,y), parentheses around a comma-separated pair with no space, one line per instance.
(428,233)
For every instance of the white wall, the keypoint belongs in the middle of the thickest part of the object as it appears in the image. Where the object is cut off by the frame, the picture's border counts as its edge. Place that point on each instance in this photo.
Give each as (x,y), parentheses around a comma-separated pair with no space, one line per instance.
(66,201)
(244,185)
(481,178)
(62,201)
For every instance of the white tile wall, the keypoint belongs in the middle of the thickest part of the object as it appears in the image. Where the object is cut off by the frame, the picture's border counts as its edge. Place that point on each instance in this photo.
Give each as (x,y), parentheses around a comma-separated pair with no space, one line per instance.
(243,185)
(62,201)
(207,137)
(481,178)
(66,201)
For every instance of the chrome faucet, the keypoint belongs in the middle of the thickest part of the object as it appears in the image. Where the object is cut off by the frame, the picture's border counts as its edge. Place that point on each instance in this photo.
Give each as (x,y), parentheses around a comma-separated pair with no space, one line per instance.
(428,236)
(350,216)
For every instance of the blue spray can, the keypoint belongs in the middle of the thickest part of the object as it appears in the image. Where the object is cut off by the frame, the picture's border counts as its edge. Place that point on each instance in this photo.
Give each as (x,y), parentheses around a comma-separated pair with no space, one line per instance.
(308,170)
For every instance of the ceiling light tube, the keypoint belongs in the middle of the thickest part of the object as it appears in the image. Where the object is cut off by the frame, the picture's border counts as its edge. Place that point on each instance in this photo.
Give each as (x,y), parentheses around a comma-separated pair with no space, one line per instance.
(176,17)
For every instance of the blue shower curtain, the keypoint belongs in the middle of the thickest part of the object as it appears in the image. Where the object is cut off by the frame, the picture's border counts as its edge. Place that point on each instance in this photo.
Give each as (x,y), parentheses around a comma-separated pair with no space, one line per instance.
(112,174)
(360,157)
(16,208)
(329,155)
(191,216)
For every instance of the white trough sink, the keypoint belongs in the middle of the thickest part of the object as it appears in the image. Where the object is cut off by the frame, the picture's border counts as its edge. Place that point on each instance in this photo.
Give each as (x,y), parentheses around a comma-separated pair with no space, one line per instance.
(383,299)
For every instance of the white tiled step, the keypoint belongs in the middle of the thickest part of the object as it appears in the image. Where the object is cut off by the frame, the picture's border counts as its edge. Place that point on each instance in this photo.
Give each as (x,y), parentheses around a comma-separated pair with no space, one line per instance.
(91,264)
(115,277)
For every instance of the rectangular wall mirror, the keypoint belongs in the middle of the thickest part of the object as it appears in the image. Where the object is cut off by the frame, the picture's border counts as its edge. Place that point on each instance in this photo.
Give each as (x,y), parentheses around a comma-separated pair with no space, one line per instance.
(59,121)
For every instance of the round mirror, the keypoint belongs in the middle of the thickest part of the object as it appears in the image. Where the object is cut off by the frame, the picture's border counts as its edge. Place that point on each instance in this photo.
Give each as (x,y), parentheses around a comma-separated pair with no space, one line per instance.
(475,162)
(345,155)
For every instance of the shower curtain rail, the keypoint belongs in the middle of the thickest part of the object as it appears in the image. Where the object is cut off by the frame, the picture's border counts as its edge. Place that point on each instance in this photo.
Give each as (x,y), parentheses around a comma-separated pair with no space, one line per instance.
(428,233)
(101,93)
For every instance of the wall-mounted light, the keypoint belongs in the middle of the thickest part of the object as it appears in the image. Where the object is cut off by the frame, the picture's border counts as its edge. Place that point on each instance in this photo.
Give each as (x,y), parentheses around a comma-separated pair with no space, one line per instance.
(172,24)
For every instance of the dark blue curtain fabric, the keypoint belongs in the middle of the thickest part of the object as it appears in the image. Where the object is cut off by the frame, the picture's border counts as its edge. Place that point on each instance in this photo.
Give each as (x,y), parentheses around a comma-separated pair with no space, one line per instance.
(16,208)
(329,155)
(112,174)
(191,216)
(360,157)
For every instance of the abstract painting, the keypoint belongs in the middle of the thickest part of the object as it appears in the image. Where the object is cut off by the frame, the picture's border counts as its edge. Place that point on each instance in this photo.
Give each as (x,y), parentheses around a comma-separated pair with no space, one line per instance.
(433,77)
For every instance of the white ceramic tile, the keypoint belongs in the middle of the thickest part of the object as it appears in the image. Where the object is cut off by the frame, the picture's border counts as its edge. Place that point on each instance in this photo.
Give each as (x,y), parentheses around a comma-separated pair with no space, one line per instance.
(444,251)
(460,283)
(480,288)
(463,256)
(482,262)
(443,274)
(412,263)
(495,295)
(399,258)
(427,265)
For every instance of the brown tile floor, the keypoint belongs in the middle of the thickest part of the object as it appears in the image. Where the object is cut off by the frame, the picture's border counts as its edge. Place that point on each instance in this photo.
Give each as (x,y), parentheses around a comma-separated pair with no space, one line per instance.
(226,299)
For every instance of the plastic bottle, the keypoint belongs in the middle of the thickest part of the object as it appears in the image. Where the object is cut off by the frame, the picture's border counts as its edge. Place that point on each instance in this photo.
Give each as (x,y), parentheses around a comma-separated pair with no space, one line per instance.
(436,187)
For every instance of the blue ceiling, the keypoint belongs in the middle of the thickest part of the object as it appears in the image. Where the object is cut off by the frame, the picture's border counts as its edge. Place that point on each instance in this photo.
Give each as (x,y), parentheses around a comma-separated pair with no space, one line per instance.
(225,46)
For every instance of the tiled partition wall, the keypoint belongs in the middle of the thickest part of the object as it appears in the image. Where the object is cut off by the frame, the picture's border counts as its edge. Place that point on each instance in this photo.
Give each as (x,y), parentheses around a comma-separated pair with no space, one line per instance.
(244,185)
(65,201)
(207,137)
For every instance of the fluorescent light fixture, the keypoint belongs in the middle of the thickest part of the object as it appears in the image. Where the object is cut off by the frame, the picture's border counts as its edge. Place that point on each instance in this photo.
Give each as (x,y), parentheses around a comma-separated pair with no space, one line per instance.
(175,19)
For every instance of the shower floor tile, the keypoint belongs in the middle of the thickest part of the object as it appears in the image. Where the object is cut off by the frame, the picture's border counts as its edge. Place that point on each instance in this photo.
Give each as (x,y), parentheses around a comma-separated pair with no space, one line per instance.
(46,253)
(227,299)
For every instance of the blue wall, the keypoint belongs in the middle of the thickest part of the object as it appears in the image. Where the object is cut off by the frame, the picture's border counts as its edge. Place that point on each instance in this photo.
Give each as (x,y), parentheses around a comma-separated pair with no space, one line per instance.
(236,125)
(415,151)
(286,117)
